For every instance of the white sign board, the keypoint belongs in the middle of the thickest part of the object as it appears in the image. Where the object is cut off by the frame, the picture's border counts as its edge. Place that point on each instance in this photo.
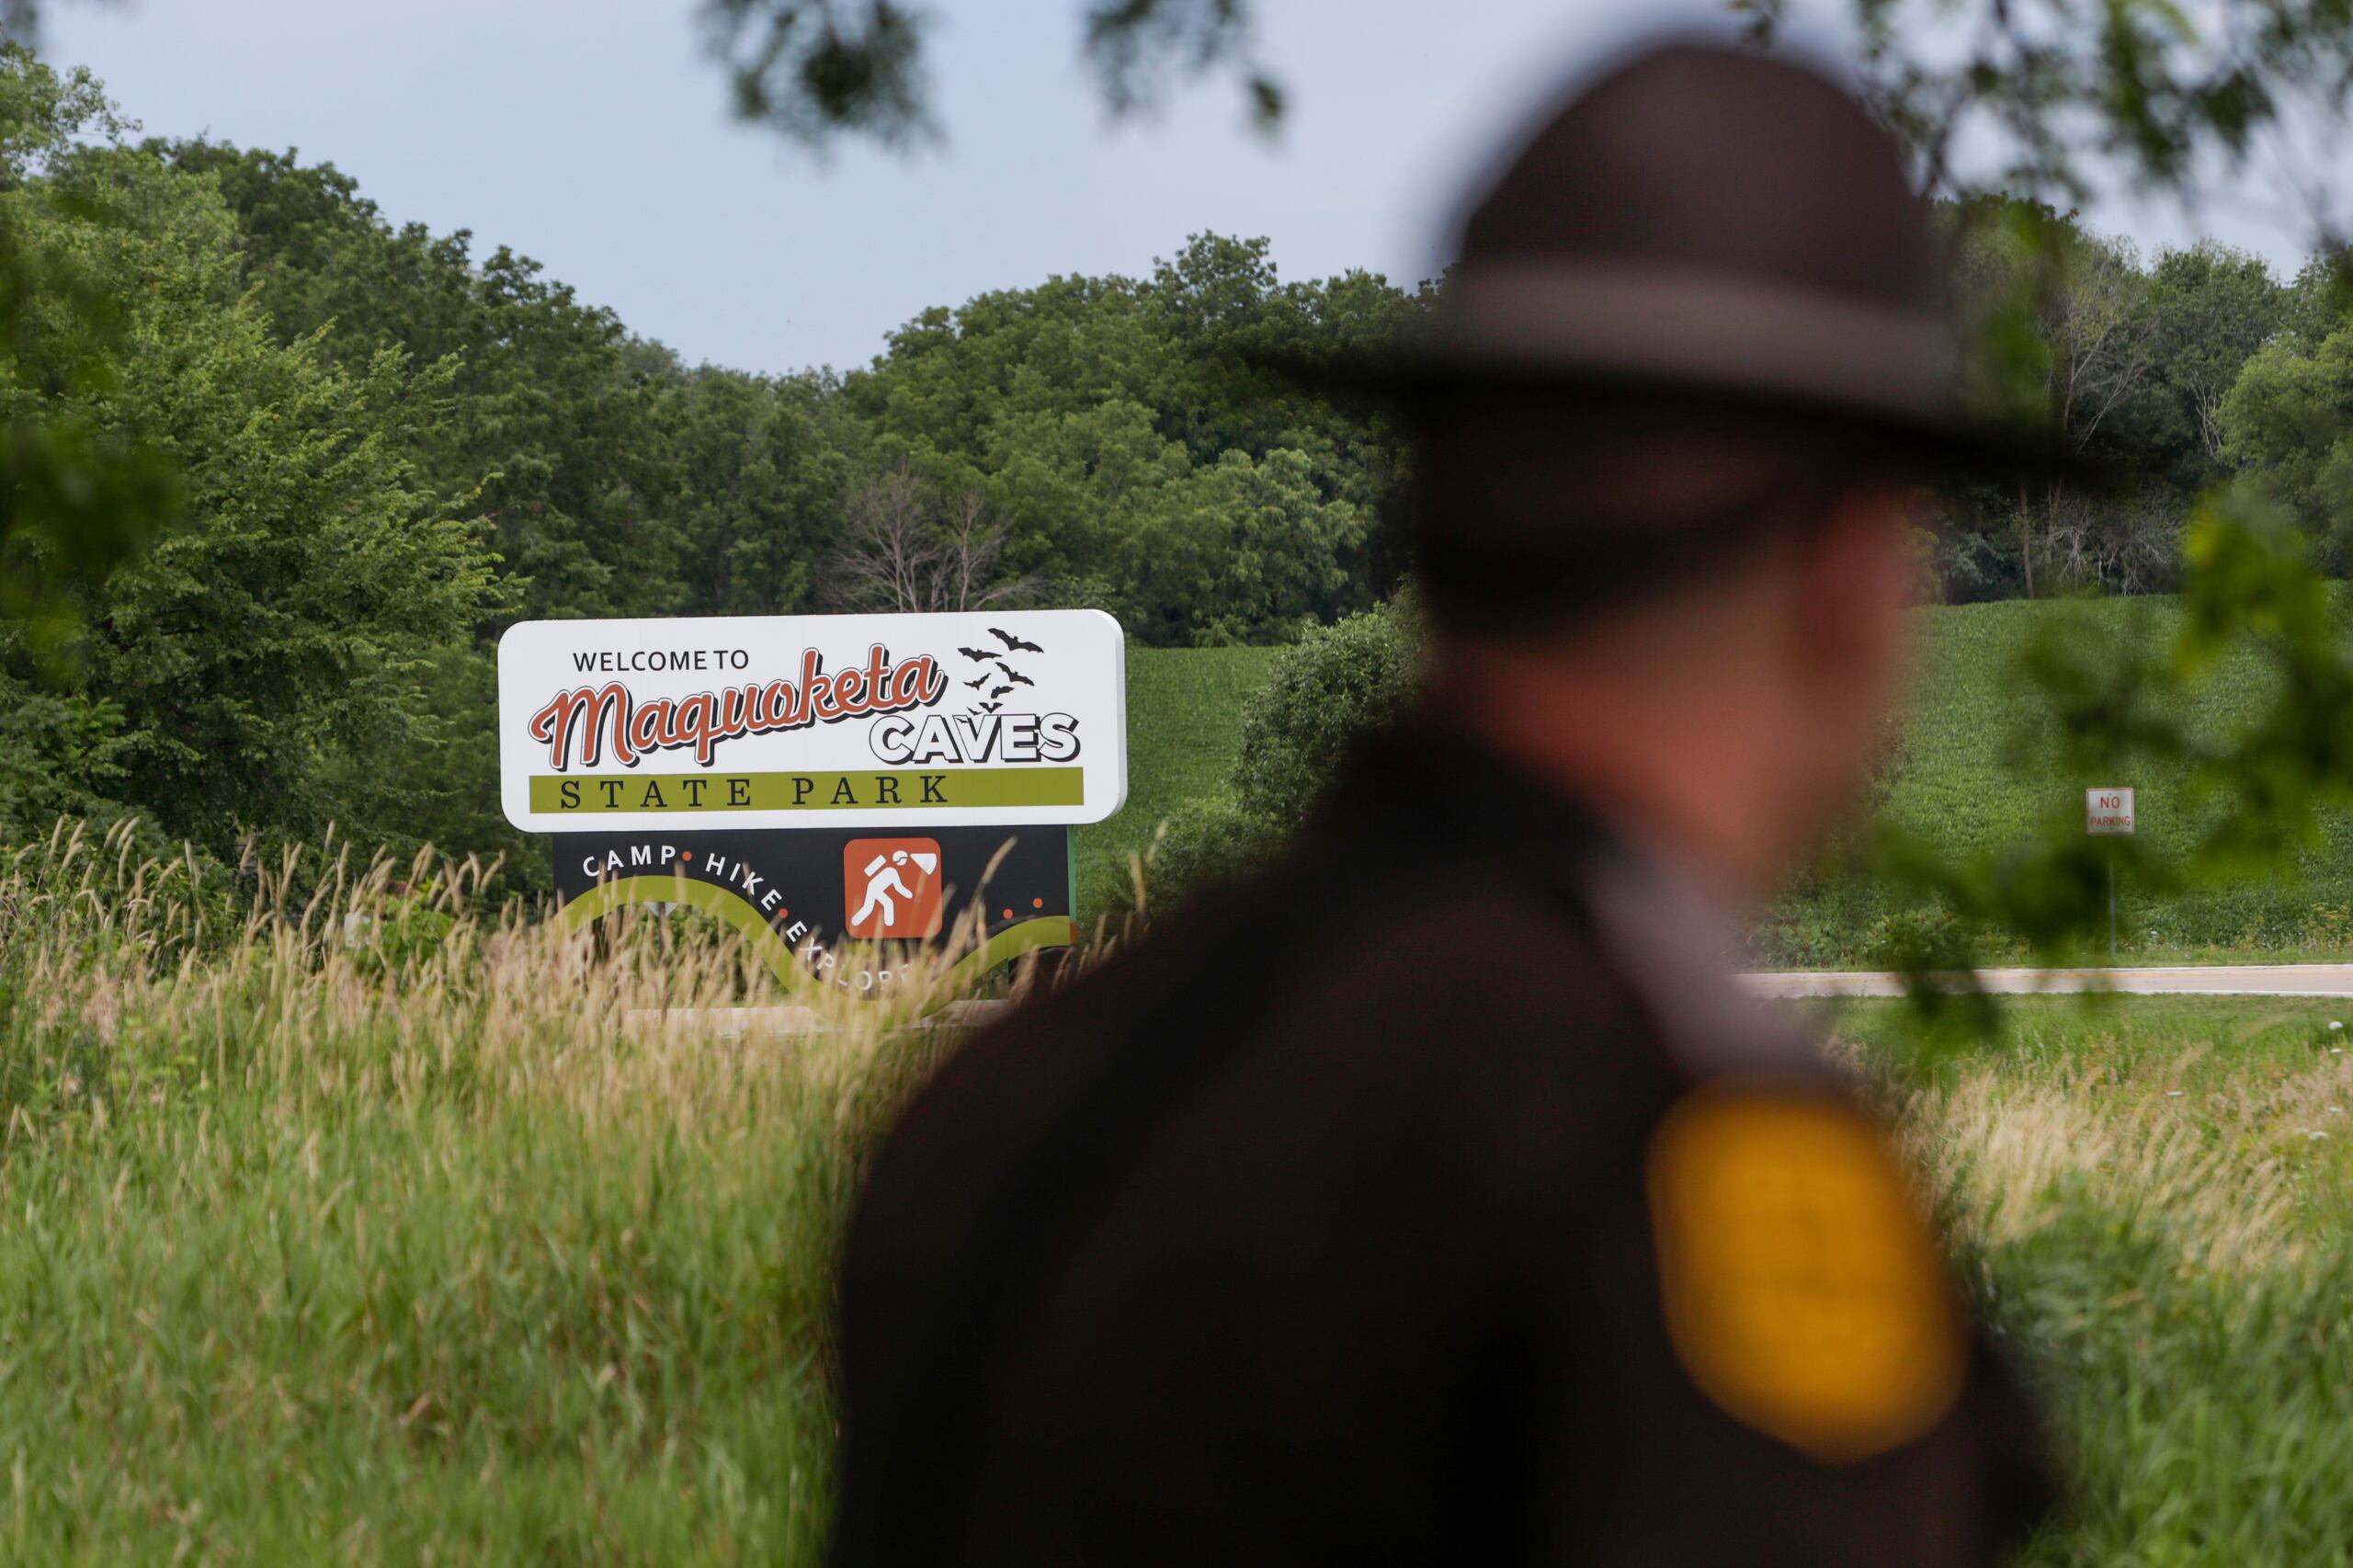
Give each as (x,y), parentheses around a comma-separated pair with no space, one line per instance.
(2107,810)
(821,721)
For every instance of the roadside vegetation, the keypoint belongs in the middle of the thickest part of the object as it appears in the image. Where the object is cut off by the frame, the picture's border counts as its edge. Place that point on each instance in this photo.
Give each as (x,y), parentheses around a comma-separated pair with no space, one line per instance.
(368,1225)
(2151,1202)
(376,1225)
(1184,727)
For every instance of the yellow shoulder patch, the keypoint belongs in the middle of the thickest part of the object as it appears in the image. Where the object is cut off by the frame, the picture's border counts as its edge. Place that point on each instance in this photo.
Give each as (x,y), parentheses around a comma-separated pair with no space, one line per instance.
(1803,1290)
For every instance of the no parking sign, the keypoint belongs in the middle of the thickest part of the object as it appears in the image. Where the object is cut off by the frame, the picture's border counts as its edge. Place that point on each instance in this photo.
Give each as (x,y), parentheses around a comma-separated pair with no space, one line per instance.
(2107,810)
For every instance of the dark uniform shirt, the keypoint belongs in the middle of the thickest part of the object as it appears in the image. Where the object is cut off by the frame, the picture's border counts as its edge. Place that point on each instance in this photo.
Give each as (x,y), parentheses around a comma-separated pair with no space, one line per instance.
(1335,1223)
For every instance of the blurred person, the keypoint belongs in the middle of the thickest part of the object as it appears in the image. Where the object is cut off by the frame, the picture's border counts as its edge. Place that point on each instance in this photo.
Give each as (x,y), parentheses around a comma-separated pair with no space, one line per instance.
(1433,1193)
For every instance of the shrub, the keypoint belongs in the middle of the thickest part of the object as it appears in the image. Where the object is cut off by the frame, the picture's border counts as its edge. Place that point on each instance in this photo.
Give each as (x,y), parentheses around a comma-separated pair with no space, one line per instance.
(1340,683)
(1320,698)
(1202,841)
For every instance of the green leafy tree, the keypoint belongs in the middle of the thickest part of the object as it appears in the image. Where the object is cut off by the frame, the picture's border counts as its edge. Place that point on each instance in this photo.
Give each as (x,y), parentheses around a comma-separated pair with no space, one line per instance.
(1243,551)
(548,426)
(1340,684)
(2287,425)
(1136,457)
(222,675)
(2314,302)
(77,496)
(751,472)
(2214,308)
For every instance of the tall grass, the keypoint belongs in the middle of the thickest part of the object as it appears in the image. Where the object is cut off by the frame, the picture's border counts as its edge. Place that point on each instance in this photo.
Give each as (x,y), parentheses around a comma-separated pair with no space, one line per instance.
(372,1226)
(2152,1202)
(344,1220)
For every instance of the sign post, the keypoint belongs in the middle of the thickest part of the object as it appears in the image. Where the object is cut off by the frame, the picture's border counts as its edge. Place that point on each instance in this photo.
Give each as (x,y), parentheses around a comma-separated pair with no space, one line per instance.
(2108,812)
(816,780)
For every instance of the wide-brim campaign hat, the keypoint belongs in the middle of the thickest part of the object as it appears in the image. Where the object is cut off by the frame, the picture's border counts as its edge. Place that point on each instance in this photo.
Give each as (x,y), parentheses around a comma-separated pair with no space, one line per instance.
(1705,220)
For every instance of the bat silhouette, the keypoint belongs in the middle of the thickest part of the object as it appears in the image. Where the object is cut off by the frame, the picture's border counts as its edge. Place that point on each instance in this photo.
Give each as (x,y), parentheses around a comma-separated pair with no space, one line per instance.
(1011,674)
(1013,643)
(976,652)
(976,684)
(1000,691)
(991,706)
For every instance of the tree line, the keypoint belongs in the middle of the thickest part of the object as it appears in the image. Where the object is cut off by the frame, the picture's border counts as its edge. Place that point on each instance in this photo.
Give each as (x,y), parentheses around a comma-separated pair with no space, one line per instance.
(2167,374)
(390,444)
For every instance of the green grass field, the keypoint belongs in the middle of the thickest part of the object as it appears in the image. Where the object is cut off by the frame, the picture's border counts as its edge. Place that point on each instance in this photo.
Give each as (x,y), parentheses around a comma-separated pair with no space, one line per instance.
(1183,719)
(426,1245)
(1971,776)
(2153,1205)
(1970,773)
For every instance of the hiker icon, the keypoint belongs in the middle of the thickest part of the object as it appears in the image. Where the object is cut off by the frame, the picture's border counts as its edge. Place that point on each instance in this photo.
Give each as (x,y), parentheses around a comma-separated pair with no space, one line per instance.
(890,887)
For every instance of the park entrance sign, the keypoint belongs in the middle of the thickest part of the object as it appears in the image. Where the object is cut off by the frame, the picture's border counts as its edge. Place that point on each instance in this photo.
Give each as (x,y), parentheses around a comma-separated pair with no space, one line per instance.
(825,784)
(747,722)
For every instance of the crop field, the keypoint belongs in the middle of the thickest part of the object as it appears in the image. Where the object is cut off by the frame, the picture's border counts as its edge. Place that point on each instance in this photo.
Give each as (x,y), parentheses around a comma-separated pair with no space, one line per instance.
(1969,773)
(407,1238)
(1184,718)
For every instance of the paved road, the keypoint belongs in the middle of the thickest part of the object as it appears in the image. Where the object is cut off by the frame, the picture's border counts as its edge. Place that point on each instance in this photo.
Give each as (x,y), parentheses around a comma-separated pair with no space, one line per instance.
(2187,980)
(2218,979)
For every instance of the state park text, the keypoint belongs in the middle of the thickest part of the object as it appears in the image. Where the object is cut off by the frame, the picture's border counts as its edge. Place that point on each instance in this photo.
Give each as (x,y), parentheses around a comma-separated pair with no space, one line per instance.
(589,794)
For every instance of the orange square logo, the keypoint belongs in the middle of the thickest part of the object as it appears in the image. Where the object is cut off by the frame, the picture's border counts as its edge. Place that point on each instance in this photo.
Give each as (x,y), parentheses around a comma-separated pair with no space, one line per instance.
(890,887)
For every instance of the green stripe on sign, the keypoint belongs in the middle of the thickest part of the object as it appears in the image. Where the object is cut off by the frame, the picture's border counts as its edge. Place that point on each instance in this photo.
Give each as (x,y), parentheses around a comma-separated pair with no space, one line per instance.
(595,794)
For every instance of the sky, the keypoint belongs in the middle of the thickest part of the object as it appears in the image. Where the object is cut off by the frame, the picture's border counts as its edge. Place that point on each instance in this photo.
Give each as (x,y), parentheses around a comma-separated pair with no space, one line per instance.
(595,136)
